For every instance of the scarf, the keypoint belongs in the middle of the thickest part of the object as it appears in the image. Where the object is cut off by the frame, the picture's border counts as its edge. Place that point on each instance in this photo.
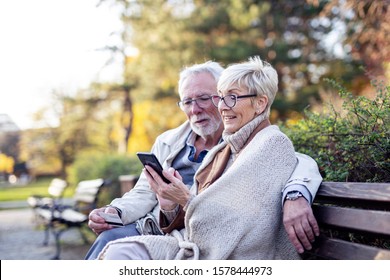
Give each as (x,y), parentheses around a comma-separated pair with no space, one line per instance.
(235,143)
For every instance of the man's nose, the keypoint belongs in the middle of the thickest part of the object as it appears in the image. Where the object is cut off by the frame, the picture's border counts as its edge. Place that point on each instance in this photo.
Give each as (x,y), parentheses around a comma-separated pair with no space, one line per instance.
(195,108)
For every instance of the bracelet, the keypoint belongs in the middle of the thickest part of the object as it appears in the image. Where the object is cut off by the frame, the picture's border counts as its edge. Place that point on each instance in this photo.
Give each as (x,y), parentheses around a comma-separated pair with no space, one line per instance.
(170,214)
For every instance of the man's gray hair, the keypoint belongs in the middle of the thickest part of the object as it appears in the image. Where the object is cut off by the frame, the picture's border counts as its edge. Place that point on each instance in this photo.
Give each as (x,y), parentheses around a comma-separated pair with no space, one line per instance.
(211,67)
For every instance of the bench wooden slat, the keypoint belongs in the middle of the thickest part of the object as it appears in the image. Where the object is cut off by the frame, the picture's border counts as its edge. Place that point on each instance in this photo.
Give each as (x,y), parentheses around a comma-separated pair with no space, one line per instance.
(363,220)
(55,190)
(354,219)
(87,192)
(342,250)
(57,187)
(366,191)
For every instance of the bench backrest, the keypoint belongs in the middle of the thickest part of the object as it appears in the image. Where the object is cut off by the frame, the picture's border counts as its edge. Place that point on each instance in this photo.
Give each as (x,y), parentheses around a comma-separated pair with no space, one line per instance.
(350,214)
(86,194)
(55,190)
(57,187)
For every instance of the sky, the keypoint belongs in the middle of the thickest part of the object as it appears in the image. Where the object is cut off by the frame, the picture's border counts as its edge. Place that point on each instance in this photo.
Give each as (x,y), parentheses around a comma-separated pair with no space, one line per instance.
(49,45)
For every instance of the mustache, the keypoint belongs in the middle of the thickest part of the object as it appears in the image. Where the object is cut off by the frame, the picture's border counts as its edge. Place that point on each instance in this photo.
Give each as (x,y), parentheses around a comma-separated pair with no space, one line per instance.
(200,117)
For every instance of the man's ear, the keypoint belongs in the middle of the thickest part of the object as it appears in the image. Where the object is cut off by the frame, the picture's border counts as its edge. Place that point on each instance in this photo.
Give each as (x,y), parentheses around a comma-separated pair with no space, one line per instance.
(261,103)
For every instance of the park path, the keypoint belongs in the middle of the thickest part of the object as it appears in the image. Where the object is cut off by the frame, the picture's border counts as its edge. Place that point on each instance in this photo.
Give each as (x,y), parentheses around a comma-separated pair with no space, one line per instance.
(21,240)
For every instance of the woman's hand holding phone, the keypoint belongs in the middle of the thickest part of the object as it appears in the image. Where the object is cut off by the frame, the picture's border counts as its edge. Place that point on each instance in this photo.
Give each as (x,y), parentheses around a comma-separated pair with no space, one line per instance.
(158,185)
(176,191)
(167,184)
(150,159)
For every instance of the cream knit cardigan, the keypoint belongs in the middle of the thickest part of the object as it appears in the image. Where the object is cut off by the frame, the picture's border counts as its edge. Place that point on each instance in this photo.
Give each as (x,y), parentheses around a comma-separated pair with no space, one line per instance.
(239,215)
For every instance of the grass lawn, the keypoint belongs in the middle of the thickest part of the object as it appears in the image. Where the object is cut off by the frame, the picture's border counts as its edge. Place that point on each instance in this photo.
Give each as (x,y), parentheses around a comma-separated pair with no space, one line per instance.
(38,187)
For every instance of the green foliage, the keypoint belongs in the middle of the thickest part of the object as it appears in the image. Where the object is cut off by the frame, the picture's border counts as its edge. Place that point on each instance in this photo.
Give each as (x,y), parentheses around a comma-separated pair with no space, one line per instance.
(351,143)
(89,166)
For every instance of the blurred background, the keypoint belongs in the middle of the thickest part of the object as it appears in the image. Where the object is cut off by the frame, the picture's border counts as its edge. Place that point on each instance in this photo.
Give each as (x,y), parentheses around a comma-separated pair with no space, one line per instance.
(90,83)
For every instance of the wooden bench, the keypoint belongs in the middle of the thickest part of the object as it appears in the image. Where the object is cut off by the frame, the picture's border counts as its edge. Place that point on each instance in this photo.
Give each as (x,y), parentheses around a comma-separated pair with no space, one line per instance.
(59,217)
(55,193)
(354,219)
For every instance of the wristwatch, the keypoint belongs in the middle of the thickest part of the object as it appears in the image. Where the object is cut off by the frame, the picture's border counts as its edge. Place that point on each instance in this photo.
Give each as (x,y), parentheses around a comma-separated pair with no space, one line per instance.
(293,195)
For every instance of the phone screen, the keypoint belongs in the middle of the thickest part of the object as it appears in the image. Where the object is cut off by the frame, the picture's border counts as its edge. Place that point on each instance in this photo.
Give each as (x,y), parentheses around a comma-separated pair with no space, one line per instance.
(151,160)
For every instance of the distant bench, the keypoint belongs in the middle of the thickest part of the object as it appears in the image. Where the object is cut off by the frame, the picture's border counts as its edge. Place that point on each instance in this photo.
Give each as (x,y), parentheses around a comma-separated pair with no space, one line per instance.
(354,219)
(55,192)
(58,217)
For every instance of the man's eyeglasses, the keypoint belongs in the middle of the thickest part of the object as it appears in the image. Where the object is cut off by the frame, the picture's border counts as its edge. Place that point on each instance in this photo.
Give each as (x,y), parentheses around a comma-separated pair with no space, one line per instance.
(230,100)
(202,101)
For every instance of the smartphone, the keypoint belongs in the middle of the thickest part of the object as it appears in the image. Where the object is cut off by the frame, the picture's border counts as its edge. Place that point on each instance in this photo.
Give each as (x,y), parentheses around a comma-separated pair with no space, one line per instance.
(112,219)
(151,160)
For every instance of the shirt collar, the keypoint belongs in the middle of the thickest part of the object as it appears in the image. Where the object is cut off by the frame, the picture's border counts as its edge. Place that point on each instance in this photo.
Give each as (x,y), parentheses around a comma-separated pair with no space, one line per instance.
(190,142)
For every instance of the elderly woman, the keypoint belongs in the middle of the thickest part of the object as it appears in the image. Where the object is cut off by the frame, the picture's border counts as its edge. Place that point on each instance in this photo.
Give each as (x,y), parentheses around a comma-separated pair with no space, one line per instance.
(233,209)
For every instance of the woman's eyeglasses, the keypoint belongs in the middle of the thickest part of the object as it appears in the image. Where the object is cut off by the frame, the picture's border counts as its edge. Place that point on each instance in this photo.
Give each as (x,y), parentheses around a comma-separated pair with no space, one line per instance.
(230,100)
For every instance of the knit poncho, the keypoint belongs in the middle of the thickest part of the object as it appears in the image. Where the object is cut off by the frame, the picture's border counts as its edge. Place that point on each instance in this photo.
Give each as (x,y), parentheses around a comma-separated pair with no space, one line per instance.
(239,215)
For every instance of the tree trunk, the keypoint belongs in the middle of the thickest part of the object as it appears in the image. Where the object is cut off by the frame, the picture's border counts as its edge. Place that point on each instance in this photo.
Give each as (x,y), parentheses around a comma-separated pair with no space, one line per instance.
(126,120)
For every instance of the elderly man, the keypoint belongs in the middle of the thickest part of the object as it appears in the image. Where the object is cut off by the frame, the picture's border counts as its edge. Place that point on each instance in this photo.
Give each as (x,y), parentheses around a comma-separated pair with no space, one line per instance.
(184,148)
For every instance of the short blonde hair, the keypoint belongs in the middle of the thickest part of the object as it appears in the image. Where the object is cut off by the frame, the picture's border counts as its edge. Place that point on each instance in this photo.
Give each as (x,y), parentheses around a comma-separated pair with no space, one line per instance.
(256,75)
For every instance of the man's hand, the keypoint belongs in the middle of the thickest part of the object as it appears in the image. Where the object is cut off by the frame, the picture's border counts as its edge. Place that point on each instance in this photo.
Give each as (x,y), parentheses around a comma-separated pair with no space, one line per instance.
(97,223)
(300,223)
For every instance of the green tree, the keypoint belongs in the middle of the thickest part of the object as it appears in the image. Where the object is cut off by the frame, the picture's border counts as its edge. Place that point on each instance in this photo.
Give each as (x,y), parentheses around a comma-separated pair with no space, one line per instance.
(292,35)
(39,150)
(85,123)
(367,30)
(351,143)
(9,144)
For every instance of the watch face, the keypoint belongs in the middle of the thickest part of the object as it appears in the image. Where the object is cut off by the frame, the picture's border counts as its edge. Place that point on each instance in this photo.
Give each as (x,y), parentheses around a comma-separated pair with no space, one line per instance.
(293,195)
